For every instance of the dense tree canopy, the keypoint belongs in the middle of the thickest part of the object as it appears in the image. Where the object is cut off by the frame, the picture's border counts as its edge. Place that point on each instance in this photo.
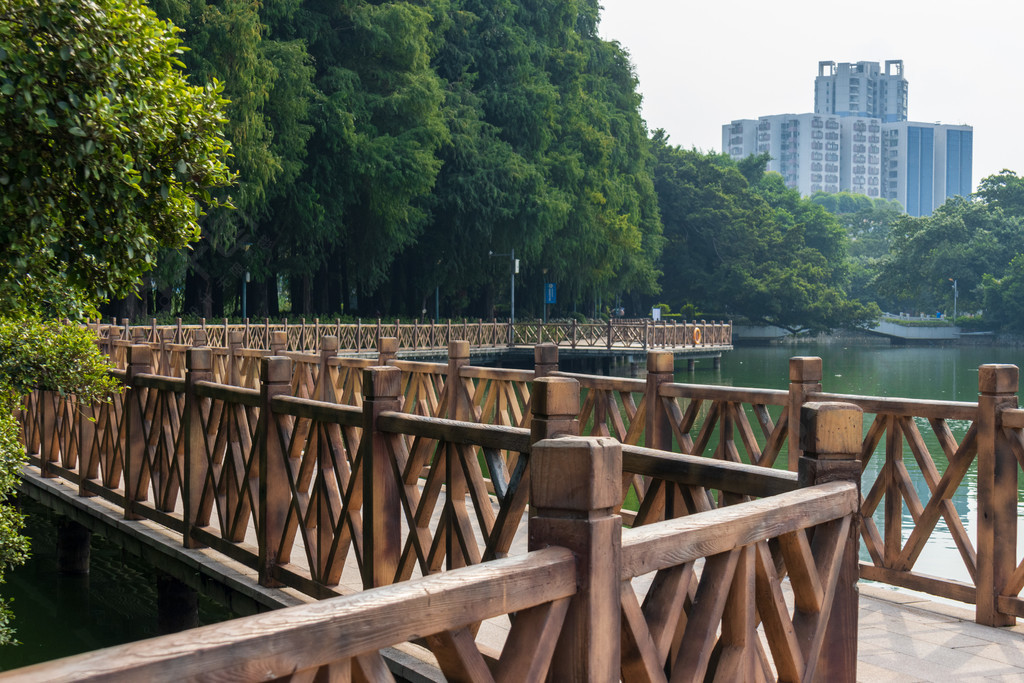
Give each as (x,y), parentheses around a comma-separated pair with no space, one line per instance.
(868,225)
(384,149)
(752,250)
(962,240)
(108,155)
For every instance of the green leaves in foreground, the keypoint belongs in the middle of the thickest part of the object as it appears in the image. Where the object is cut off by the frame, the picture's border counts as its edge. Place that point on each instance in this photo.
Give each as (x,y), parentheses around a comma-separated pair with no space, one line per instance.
(107,153)
(48,355)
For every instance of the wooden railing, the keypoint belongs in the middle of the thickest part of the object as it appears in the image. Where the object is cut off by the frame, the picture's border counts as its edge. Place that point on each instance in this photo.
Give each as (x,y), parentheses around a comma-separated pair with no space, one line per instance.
(363,337)
(755,427)
(577,609)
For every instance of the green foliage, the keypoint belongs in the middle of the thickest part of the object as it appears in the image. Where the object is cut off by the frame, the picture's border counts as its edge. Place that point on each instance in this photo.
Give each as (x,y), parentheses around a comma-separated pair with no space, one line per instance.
(107,154)
(48,355)
(962,240)
(1004,297)
(868,225)
(1004,190)
(756,251)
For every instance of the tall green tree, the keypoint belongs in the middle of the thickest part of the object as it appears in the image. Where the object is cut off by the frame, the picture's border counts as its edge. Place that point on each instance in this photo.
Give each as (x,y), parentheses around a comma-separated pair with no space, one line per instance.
(754,251)
(961,240)
(372,158)
(868,225)
(269,83)
(108,153)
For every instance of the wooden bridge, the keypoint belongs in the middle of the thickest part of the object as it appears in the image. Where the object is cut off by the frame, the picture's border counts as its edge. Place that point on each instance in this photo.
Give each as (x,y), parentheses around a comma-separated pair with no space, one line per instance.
(417,477)
(693,340)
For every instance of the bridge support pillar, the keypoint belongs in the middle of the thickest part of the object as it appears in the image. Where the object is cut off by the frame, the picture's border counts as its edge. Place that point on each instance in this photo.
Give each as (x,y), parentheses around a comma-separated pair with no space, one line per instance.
(717,363)
(177,605)
(72,547)
(691,365)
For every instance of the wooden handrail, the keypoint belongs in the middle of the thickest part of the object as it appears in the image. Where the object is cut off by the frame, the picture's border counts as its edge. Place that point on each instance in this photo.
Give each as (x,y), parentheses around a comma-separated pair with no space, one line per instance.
(692,470)
(677,541)
(281,643)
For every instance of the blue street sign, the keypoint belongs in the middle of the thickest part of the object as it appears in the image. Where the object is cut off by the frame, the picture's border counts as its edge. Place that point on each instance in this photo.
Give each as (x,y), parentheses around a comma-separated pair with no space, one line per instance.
(549,293)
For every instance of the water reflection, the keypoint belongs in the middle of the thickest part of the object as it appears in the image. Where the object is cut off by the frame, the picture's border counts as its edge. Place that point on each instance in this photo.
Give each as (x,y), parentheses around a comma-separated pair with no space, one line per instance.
(57,615)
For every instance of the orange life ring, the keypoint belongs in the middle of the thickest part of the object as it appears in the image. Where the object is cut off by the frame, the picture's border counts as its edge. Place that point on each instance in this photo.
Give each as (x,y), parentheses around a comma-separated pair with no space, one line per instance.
(696,335)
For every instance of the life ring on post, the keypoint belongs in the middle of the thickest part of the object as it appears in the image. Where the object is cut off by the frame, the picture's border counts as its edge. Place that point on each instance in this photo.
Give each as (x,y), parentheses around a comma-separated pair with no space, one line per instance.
(696,335)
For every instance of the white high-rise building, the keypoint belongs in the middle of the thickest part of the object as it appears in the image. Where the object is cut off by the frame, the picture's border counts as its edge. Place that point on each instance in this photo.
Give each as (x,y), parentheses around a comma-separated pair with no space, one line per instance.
(862,89)
(860,154)
(859,140)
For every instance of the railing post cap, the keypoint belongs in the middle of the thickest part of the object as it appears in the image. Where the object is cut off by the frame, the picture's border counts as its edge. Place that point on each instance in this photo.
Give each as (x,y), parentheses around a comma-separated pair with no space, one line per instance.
(831,430)
(661,361)
(235,336)
(388,345)
(199,359)
(458,348)
(556,396)
(382,381)
(805,369)
(279,335)
(139,354)
(576,473)
(329,344)
(276,369)
(545,354)
(998,379)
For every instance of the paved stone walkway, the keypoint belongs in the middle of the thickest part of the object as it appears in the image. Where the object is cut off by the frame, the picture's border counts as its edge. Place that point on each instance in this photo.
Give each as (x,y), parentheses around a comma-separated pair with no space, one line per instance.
(910,638)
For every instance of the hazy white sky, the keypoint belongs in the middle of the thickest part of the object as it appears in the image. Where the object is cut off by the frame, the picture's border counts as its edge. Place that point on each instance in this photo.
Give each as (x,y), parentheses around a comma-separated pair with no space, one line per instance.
(703,64)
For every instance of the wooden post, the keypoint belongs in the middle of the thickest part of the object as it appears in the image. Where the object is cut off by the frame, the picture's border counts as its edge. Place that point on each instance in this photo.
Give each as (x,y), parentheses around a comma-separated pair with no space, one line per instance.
(278,342)
(545,360)
(274,493)
(574,490)
(135,483)
(382,511)
(997,493)
(657,429)
(198,368)
(459,403)
(234,344)
(556,407)
(831,436)
(804,378)
(88,451)
(609,334)
(199,338)
(387,350)
(328,349)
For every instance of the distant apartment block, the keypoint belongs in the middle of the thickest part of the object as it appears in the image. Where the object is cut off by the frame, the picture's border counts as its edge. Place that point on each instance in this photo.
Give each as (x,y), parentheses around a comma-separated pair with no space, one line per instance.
(859,140)
(926,163)
(862,89)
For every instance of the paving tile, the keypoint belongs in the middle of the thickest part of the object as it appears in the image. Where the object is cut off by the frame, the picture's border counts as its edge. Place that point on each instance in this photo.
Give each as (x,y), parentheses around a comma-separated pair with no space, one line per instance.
(871,673)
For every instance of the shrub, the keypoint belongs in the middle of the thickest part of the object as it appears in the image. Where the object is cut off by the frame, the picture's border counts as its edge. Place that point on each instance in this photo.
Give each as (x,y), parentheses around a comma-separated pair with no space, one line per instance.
(49,355)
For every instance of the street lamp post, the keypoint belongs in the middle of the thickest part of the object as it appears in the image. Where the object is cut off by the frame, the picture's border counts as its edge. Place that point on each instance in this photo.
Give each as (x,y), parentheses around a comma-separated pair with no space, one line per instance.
(956,292)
